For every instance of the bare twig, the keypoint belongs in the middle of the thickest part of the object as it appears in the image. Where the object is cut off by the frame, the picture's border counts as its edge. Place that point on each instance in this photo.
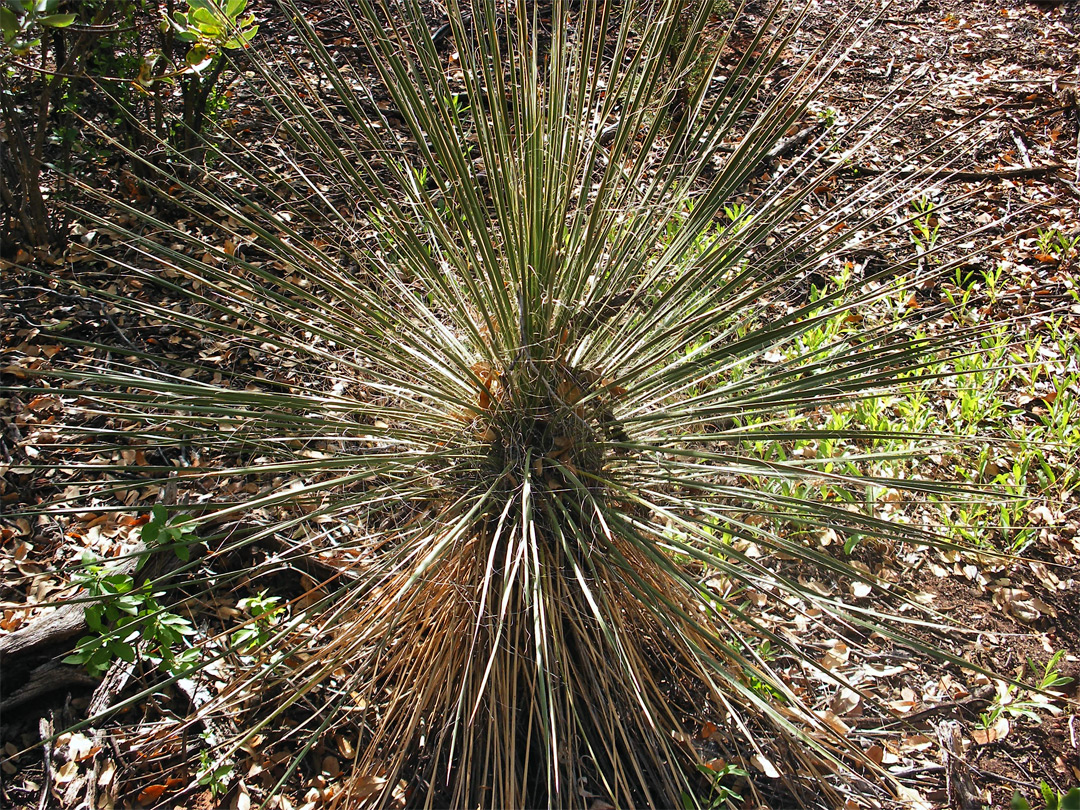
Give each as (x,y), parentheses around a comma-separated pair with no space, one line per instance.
(959,785)
(973,176)
(45,728)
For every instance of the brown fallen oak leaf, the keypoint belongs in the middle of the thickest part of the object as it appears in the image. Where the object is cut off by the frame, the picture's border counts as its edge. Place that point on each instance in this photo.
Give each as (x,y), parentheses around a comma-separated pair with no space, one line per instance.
(151,793)
(1022,605)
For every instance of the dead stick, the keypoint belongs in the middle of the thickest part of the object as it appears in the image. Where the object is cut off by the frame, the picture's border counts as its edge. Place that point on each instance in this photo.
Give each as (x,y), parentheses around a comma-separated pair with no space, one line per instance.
(959,785)
(46,678)
(45,728)
(941,174)
(789,145)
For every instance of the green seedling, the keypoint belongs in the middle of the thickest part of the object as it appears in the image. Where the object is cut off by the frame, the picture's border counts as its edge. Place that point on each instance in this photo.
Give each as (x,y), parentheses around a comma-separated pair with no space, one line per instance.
(178,533)
(213,776)
(721,796)
(264,611)
(1051,799)
(1032,702)
(926,227)
(1052,242)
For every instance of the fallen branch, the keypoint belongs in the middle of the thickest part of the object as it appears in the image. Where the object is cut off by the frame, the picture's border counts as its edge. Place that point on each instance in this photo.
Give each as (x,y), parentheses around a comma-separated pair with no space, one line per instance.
(951,176)
(960,787)
(64,623)
(975,702)
(789,145)
(46,678)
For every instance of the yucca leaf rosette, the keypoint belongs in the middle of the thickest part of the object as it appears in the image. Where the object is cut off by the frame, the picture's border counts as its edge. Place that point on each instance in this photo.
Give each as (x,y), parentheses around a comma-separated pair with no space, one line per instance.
(532,277)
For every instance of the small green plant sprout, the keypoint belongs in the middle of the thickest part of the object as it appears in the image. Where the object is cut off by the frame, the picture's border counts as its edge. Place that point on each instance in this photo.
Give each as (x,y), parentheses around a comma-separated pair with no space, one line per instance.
(264,611)
(1009,700)
(213,775)
(458,103)
(735,211)
(124,618)
(1051,799)
(1044,241)
(736,214)
(1050,243)
(721,795)
(992,279)
(925,226)
(828,116)
(21,22)
(1051,677)
(177,533)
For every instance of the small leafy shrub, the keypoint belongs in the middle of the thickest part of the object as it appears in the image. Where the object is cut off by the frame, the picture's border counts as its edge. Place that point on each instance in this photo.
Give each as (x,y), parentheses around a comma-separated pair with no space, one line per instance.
(128,623)
(202,34)
(209,27)
(177,533)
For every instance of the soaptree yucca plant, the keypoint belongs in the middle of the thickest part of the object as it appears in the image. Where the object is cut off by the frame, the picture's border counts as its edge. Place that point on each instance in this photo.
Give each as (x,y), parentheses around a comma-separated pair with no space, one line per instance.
(492,335)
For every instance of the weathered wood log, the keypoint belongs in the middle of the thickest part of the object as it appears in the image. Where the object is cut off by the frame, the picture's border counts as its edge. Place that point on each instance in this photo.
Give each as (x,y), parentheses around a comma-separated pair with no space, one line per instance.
(946,175)
(64,623)
(46,678)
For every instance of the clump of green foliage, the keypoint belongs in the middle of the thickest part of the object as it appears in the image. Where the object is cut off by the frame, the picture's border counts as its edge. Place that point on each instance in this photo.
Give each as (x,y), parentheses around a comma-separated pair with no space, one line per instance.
(205,32)
(22,23)
(127,623)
